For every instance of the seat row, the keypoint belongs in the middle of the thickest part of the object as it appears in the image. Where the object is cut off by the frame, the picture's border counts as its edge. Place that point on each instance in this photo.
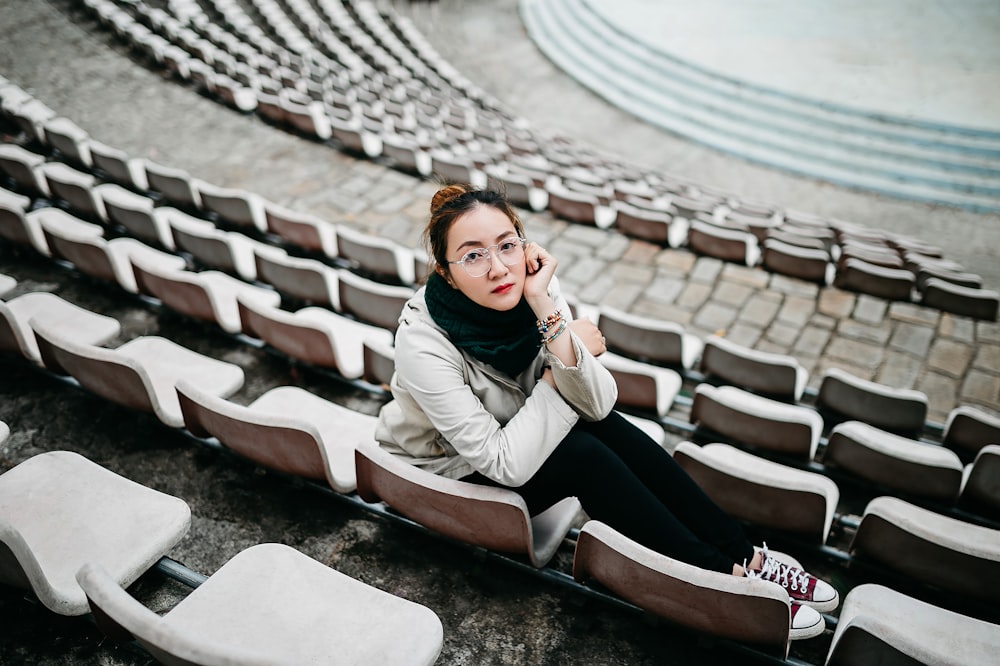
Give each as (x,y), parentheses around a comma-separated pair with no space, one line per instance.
(143,373)
(116,203)
(878,458)
(356,350)
(493,518)
(781,378)
(324,338)
(721,227)
(232,252)
(894,268)
(313,281)
(80,533)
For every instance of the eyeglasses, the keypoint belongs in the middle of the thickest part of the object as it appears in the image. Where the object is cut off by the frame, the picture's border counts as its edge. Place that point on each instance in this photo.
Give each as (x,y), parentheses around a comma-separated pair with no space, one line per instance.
(478,262)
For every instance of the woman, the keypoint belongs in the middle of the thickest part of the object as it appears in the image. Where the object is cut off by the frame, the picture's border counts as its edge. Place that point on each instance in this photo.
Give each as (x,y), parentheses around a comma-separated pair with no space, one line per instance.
(495,385)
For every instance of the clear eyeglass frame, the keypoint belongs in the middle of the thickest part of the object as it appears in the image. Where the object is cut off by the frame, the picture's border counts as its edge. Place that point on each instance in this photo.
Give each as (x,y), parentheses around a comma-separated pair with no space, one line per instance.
(478,262)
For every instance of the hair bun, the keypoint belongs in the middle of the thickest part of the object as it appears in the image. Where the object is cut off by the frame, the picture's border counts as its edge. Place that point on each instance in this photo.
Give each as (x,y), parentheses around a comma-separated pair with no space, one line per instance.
(446,194)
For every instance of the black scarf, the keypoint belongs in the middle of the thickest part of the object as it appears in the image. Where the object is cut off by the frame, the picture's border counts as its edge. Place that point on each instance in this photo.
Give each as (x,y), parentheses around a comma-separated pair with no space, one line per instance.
(509,341)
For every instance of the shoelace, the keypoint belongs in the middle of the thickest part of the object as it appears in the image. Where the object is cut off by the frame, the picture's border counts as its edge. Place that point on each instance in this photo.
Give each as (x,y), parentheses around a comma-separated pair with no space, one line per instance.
(783,574)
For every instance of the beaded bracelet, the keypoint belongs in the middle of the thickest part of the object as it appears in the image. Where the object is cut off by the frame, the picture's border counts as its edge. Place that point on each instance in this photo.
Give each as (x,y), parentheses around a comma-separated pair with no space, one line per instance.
(549,322)
(558,332)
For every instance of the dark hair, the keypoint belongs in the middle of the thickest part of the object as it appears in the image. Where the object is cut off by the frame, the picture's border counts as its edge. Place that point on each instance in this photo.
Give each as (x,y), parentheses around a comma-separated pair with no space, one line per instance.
(452,202)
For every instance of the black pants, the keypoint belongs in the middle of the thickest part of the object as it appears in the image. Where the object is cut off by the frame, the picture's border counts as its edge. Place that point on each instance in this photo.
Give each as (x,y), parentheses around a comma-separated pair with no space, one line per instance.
(625,479)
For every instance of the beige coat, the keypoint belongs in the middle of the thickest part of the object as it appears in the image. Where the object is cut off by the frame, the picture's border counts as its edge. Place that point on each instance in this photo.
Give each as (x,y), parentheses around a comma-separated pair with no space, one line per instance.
(453,415)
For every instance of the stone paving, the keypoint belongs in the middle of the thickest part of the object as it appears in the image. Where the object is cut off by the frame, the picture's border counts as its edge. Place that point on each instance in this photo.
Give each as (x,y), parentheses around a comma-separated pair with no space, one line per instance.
(62,58)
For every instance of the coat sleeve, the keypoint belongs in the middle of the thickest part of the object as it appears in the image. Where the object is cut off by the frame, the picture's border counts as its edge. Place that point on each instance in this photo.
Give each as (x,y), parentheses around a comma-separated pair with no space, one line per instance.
(588,387)
(432,371)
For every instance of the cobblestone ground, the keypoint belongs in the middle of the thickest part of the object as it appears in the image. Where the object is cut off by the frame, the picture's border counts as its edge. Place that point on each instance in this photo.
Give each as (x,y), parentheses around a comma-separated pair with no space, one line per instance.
(491,613)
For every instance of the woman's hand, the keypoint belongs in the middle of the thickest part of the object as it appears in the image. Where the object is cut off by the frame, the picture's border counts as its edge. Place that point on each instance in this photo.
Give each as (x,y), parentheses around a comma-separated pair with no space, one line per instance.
(589,335)
(541,266)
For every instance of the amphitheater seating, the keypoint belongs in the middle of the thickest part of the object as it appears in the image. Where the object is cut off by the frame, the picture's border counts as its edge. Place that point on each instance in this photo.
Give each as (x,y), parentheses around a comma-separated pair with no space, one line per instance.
(493,518)
(812,238)
(314,335)
(372,302)
(77,188)
(893,409)
(22,166)
(228,251)
(59,511)
(895,463)
(981,480)
(232,206)
(709,203)
(373,254)
(17,225)
(707,601)
(578,207)
(31,117)
(722,243)
(960,278)
(233,93)
(757,421)
(642,385)
(69,139)
(7,283)
(11,97)
(306,279)
(173,185)
(876,255)
(305,231)
(955,556)
(456,168)
(776,375)
(904,244)
(117,165)
(693,207)
(968,429)
(307,116)
(16,335)
(878,625)
(354,138)
(761,492)
(519,188)
(287,429)
(271,604)
(137,215)
(209,295)
(139,374)
(405,154)
(812,264)
(109,260)
(654,226)
(760,225)
(958,299)
(916,262)
(647,339)
(379,362)
(894,284)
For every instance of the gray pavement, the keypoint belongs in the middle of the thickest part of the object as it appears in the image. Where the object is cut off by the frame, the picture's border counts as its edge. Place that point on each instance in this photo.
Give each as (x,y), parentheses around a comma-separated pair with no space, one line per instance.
(491,614)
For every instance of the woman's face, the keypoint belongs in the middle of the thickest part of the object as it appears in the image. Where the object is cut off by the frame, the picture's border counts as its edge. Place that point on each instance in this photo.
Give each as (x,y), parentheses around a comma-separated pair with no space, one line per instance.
(501,287)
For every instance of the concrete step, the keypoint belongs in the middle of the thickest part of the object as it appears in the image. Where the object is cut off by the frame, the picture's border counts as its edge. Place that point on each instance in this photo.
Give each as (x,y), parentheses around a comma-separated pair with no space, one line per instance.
(895,156)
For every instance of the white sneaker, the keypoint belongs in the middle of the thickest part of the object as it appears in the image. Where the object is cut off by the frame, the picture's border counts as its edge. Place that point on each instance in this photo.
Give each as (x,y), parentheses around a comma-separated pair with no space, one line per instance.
(806,623)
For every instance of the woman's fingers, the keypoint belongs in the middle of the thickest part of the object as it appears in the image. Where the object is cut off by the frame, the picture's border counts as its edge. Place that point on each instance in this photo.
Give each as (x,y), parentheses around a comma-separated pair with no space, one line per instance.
(540,266)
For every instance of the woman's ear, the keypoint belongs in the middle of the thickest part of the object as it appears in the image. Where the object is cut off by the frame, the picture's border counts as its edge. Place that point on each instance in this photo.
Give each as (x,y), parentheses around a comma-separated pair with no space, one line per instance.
(445,274)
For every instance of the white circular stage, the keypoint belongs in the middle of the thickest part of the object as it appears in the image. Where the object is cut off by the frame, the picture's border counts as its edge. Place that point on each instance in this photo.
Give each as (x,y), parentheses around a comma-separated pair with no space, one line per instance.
(900,97)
